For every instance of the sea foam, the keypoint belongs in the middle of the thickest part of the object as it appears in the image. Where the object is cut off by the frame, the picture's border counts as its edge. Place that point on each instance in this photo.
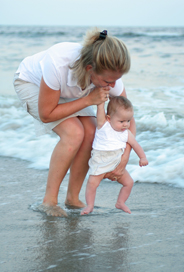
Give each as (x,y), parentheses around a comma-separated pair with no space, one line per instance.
(161,138)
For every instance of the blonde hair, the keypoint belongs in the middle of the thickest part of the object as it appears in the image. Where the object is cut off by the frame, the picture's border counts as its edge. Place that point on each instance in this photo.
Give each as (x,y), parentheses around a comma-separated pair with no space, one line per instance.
(102,54)
(118,102)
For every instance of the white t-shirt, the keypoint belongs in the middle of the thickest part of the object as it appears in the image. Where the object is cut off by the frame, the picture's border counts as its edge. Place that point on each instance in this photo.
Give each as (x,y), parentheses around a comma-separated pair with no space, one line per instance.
(53,65)
(108,139)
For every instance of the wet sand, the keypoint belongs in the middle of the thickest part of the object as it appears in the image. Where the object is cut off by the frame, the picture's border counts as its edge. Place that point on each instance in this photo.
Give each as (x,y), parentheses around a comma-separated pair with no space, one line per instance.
(150,239)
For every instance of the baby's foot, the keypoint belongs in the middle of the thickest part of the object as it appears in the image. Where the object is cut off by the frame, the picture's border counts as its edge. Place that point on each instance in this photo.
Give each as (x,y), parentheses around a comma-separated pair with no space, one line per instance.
(52,210)
(87,210)
(123,207)
(74,204)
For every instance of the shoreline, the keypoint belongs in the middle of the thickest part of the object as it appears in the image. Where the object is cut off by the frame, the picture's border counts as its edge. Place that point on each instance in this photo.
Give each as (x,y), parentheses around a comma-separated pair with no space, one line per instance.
(150,239)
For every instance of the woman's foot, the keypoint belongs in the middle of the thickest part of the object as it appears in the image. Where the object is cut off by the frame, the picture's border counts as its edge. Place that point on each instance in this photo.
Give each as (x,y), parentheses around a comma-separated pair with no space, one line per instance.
(123,207)
(52,210)
(74,204)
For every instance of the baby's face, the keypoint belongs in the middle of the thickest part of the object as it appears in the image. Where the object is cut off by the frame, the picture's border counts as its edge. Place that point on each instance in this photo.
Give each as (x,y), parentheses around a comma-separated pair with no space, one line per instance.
(120,120)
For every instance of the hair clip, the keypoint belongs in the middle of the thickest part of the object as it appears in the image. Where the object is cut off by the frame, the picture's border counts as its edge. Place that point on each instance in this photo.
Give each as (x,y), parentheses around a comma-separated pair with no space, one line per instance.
(103,35)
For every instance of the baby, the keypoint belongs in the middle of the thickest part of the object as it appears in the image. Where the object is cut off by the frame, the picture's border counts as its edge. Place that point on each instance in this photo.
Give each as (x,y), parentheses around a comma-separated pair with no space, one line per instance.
(110,140)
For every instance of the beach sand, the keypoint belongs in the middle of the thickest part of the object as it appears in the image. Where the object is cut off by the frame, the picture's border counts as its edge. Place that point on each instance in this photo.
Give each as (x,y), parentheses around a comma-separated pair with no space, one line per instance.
(150,239)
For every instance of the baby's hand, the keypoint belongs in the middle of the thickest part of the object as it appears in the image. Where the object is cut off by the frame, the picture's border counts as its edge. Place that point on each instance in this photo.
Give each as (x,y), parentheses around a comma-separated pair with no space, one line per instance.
(143,162)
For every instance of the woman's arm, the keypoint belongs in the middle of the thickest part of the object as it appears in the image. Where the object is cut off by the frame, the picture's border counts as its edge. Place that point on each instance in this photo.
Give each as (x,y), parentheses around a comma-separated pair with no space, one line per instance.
(50,110)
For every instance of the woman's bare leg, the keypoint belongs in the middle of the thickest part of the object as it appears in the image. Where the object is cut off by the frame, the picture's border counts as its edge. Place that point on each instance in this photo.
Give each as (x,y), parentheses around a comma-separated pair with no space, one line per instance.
(79,166)
(125,191)
(71,134)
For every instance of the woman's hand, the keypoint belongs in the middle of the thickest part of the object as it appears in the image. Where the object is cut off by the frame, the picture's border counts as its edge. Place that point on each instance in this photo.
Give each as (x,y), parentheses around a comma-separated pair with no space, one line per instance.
(119,170)
(99,95)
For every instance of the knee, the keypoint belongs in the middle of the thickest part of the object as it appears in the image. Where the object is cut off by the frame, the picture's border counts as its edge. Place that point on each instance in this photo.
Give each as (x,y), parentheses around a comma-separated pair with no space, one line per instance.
(75,135)
(126,181)
(93,184)
(70,133)
(131,183)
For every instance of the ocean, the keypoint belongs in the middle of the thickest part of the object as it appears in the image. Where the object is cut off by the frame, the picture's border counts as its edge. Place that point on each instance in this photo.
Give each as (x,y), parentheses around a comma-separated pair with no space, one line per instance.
(155,85)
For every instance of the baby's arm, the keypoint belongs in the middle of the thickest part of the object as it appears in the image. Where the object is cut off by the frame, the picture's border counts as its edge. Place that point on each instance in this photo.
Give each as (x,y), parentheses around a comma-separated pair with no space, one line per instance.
(101,117)
(138,149)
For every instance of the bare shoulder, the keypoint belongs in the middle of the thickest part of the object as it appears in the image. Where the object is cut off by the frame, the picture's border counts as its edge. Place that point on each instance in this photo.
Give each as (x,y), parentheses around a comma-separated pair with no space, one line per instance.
(123,93)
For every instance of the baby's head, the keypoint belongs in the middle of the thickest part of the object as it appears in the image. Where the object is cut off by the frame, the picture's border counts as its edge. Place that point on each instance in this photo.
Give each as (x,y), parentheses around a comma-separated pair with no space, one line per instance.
(119,113)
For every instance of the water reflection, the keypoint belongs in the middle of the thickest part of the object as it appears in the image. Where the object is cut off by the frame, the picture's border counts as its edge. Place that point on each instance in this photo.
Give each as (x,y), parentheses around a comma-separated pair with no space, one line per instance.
(83,243)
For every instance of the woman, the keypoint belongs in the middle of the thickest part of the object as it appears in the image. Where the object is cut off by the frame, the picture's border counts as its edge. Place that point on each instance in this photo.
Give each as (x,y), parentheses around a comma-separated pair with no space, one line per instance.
(58,88)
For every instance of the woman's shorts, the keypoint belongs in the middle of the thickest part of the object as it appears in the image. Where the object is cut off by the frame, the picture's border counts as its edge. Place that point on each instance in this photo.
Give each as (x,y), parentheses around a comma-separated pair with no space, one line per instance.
(28,94)
(104,161)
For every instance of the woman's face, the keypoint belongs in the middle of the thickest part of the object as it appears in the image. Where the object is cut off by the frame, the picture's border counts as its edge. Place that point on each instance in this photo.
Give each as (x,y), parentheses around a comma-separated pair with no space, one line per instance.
(107,78)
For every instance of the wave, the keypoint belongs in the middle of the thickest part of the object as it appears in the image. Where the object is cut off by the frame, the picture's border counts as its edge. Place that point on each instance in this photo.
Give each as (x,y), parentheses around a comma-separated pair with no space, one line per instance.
(121,32)
(31,33)
(149,34)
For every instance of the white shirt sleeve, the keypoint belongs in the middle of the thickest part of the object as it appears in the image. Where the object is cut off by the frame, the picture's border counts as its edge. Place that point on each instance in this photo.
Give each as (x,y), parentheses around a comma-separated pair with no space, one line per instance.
(50,73)
(118,88)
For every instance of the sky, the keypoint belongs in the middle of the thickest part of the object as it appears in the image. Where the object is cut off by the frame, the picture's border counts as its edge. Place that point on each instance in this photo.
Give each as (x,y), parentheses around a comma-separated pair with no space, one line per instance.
(92,12)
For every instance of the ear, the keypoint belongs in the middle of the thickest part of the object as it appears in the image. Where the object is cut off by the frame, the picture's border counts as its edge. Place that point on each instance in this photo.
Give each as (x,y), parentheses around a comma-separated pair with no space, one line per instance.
(89,67)
(108,118)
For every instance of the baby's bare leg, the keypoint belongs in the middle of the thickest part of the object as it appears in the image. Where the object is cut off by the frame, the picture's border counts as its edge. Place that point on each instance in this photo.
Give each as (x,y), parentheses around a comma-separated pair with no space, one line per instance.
(125,191)
(93,183)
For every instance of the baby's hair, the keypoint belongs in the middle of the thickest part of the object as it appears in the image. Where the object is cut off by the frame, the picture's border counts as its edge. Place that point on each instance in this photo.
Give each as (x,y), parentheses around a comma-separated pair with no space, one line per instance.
(109,54)
(118,102)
